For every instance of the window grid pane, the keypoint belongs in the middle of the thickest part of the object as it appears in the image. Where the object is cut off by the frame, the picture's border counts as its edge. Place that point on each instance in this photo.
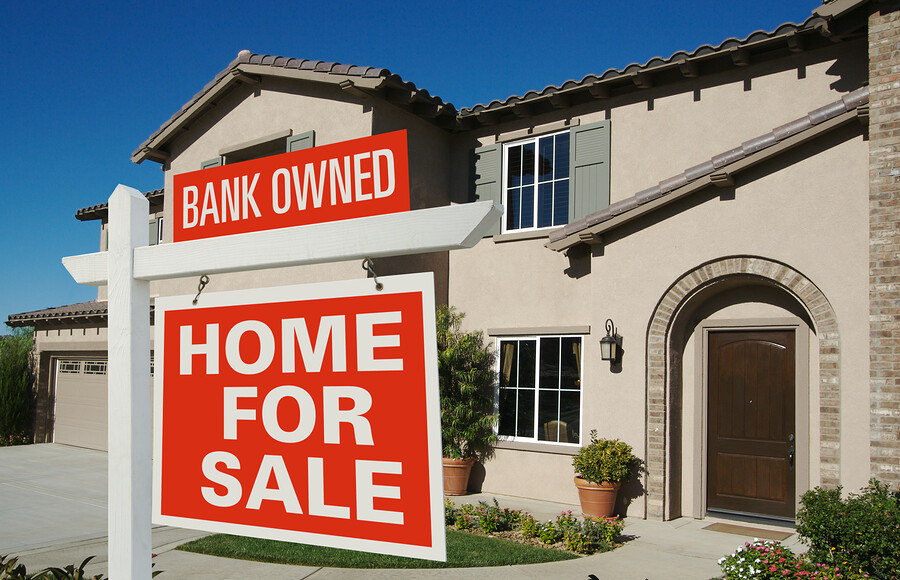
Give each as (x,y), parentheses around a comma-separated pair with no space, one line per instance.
(544,161)
(552,412)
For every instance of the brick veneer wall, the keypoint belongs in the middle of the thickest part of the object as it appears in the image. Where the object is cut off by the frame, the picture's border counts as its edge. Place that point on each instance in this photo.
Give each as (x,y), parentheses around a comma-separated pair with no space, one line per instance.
(659,447)
(884,240)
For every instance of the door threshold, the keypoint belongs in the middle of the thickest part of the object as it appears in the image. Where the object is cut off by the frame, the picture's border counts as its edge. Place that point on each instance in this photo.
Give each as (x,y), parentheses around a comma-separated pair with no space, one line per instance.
(755,519)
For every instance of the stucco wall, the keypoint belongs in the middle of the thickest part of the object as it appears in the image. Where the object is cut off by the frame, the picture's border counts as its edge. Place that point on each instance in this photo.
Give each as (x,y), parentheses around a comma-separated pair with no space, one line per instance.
(805,209)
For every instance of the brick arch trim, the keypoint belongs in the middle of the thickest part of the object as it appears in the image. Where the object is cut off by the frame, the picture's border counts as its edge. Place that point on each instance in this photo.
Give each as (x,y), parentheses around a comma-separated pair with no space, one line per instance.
(658,380)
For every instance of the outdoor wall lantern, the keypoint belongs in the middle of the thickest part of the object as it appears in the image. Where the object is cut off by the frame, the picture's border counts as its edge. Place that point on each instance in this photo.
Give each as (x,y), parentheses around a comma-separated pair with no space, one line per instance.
(611,344)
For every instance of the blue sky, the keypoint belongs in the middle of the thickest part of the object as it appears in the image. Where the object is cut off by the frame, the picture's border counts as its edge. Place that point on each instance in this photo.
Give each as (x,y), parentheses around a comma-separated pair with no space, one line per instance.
(84,83)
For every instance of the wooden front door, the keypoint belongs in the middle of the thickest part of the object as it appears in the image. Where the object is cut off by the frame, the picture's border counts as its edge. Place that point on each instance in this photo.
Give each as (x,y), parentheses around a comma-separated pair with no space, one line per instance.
(751,437)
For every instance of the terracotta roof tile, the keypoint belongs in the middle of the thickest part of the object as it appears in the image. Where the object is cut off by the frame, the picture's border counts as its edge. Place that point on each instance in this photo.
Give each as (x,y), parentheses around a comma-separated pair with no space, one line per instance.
(758,143)
(827,112)
(91,309)
(792,128)
(100,210)
(316,66)
(648,194)
(789,28)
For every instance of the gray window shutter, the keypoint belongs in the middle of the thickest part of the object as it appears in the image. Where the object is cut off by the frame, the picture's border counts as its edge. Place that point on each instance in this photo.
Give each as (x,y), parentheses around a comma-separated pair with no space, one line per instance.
(302,141)
(211,163)
(154,231)
(589,173)
(487,165)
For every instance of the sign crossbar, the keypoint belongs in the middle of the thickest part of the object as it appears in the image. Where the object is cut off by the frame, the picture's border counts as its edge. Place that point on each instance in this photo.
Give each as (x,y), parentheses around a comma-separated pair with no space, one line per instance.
(415,232)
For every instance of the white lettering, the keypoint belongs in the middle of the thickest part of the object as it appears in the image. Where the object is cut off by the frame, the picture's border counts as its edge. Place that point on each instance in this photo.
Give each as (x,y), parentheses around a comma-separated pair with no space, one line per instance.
(276,205)
(284,490)
(360,175)
(313,356)
(210,349)
(230,201)
(367,342)
(300,192)
(333,415)
(247,196)
(388,156)
(309,181)
(367,491)
(209,205)
(231,412)
(191,212)
(317,505)
(307,414)
(266,347)
(231,484)
(337,182)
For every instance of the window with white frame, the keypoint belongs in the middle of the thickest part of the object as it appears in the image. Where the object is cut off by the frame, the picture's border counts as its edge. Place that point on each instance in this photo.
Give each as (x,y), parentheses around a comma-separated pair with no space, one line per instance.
(539,393)
(536,182)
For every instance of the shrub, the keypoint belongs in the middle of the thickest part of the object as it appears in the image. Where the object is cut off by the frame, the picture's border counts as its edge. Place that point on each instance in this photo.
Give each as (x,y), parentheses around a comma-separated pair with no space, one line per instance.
(579,536)
(493,518)
(769,560)
(466,377)
(591,535)
(16,381)
(577,542)
(566,521)
(861,532)
(760,559)
(605,460)
(449,512)
(464,521)
(604,531)
(549,533)
(530,528)
(10,569)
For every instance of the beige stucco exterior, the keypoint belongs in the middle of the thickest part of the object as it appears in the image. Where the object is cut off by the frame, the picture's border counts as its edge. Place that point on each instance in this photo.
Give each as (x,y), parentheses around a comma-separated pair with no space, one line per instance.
(785,211)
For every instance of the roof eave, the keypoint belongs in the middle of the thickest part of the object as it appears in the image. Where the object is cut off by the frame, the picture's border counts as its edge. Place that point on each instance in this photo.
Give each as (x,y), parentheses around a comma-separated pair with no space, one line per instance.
(635,77)
(837,8)
(154,149)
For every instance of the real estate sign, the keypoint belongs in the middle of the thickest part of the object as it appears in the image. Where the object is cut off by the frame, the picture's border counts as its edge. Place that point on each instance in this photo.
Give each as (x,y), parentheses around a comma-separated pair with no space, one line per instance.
(351,179)
(302,413)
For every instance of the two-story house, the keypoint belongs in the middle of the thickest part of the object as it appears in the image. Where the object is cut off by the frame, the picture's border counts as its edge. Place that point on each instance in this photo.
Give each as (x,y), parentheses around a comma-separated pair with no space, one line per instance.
(730,213)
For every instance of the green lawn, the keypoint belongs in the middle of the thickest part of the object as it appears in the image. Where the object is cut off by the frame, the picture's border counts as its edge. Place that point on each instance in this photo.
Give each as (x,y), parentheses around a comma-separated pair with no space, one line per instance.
(463,551)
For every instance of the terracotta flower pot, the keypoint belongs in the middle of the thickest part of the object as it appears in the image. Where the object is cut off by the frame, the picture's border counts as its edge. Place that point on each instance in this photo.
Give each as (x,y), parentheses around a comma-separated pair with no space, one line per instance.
(597,499)
(456,475)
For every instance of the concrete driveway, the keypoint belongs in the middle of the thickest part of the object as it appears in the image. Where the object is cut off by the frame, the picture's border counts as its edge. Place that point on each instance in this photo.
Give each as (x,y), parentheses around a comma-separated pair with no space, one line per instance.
(49,495)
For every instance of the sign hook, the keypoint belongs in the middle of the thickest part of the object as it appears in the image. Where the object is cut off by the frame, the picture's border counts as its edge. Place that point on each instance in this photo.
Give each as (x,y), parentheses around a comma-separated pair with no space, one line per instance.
(368,265)
(204,280)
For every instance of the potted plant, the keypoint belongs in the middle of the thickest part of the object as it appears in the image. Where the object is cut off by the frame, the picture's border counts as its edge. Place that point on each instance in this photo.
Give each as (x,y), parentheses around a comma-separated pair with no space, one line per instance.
(602,467)
(466,375)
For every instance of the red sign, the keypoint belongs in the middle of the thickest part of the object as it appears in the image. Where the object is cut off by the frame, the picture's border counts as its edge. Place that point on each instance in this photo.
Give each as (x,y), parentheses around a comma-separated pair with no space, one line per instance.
(351,179)
(302,413)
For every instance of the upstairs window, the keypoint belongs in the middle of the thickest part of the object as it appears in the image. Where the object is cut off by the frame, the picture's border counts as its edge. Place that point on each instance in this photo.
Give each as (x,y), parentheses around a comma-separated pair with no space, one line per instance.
(539,394)
(544,181)
(536,184)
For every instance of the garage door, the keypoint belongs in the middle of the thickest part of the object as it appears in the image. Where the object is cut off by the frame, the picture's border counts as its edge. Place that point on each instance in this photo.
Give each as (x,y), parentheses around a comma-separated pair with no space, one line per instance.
(80,412)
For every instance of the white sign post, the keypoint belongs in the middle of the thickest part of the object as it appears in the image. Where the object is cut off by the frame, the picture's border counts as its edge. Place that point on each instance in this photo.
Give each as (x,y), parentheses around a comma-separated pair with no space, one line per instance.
(130,437)
(128,267)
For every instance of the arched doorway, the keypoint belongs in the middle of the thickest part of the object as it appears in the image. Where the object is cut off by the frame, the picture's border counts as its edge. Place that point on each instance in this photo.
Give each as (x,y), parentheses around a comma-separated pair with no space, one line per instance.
(692,310)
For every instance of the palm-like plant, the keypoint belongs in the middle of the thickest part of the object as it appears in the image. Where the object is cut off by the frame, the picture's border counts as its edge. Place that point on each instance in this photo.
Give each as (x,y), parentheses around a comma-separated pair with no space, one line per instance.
(467,378)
